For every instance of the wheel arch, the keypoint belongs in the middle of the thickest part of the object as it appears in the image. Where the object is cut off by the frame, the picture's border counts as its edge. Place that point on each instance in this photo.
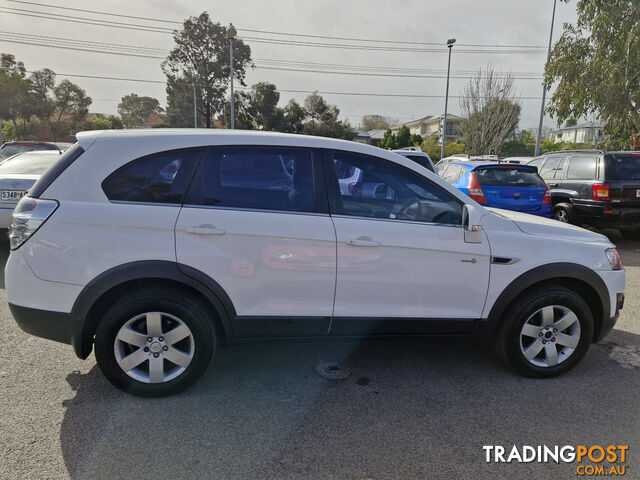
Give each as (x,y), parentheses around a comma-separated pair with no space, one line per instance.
(96,297)
(577,278)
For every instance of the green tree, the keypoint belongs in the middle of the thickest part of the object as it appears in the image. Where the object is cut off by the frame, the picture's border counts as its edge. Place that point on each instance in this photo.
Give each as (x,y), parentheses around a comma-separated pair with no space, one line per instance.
(294,115)
(201,57)
(389,141)
(595,64)
(571,122)
(15,100)
(263,103)
(71,107)
(416,140)
(180,104)
(432,148)
(403,137)
(324,120)
(243,113)
(135,110)
(102,122)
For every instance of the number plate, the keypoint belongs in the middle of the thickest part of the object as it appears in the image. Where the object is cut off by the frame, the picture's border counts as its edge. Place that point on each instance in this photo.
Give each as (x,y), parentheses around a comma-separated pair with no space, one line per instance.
(9,195)
(637,193)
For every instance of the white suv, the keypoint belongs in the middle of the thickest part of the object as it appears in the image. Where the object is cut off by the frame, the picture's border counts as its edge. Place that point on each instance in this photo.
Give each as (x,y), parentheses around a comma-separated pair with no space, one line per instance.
(154,246)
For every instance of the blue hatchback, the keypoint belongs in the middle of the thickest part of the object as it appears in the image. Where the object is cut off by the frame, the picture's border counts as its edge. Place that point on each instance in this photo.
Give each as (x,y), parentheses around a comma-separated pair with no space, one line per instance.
(500,185)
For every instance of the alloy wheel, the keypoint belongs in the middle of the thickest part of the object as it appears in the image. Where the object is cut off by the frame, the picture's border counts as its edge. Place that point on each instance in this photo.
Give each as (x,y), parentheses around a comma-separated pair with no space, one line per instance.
(154,347)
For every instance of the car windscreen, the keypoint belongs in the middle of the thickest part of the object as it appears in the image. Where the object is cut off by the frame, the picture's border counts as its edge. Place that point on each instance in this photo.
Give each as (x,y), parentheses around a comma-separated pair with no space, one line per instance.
(622,166)
(507,177)
(28,164)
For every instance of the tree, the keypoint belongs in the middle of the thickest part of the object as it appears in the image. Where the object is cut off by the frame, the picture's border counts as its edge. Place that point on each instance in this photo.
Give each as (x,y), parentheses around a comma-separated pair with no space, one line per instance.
(416,139)
(243,114)
(432,148)
(389,141)
(263,103)
(71,107)
(180,104)
(102,122)
(596,63)
(135,110)
(324,119)
(377,122)
(294,116)
(403,137)
(15,100)
(490,111)
(201,57)
(571,122)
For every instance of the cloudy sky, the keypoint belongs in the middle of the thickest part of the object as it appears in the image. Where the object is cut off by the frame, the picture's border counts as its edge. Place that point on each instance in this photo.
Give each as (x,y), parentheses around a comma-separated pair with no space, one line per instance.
(515,34)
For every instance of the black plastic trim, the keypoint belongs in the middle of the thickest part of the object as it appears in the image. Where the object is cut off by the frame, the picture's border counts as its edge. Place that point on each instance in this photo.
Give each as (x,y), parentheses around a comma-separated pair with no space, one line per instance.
(388,326)
(57,326)
(549,272)
(262,326)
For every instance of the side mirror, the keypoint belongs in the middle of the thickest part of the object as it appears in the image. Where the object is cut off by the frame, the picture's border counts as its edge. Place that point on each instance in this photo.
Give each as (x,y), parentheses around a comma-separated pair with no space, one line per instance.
(471,223)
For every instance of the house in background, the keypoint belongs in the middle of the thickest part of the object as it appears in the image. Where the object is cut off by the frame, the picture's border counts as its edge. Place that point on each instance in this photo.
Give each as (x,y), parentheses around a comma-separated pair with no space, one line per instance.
(360,136)
(376,136)
(429,126)
(589,132)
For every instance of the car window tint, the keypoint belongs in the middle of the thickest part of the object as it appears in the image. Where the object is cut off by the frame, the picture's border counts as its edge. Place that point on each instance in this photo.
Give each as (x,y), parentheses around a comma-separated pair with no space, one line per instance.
(622,166)
(255,178)
(389,191)
(424,161)
(581,167)
(158,178)
(549,168)
(537,162)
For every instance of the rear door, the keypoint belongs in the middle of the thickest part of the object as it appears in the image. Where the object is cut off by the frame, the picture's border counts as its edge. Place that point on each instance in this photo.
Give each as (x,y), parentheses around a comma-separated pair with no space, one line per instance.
(263,233)
(511,187)
(581,174)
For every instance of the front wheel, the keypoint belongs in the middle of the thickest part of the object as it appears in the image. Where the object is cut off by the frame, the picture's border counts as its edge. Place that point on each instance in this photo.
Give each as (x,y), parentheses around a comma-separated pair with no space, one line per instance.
(546,332)
(155,341)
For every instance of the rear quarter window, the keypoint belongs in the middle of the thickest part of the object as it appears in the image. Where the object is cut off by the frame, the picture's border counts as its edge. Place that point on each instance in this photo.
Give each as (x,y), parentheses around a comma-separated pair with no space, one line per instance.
(159,178)
(582,168)
(622,166)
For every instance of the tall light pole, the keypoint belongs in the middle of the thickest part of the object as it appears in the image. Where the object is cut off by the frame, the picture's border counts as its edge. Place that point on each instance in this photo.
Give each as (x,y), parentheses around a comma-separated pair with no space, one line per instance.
(231,33)
(544,88)
(450,43)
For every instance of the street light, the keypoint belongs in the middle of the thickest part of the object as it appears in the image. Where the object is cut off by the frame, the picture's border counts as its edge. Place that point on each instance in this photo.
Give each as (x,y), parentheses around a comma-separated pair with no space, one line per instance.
(231,33)
(450,43)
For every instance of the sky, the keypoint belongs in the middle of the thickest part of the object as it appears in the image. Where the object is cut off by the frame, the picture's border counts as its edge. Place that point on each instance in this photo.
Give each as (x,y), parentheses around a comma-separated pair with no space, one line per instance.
(502,24)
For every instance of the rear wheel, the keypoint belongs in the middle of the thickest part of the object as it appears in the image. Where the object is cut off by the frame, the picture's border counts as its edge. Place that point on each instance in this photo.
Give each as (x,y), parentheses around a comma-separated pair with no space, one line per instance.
(563,212)
(546,332)
(155,341)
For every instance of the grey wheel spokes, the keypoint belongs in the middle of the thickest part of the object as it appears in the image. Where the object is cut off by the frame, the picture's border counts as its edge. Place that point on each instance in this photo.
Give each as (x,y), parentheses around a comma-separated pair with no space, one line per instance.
(154,347)
(550,335)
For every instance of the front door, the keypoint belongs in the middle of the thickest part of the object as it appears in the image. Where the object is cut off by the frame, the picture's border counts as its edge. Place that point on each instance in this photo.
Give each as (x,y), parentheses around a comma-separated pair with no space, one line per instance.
(403,264)
(255,224)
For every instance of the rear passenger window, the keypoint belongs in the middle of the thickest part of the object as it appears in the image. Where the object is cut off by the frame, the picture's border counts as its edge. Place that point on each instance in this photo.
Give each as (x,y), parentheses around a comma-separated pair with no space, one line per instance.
(158,178)
(549,168)
(255,178)
(582,168)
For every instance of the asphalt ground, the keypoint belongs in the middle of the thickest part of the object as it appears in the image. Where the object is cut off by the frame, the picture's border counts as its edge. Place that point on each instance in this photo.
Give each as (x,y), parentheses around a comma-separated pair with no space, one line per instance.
(409,409)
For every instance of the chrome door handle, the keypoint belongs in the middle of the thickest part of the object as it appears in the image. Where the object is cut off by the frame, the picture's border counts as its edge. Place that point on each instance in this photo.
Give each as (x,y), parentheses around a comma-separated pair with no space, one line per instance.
(473,260)
(362,242)
(205,230)
(553,184)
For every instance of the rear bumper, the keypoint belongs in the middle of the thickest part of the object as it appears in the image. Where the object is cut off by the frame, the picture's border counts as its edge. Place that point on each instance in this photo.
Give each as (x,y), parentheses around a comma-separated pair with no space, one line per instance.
(5,216)
(606,214)
(57,326)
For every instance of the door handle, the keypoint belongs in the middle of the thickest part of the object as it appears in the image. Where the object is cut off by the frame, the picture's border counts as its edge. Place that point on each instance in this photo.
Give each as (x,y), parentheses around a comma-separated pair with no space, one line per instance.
(473,260)
(362,242)
(553,184)
(205,230)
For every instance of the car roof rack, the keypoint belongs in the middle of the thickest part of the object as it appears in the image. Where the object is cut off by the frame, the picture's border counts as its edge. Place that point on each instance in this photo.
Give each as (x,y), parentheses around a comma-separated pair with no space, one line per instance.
(577,150)
(410,149)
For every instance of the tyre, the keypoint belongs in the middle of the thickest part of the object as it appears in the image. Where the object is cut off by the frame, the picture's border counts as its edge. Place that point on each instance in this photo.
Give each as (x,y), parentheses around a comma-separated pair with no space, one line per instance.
(155,341)
(546,332)
(563,212)
(630,233)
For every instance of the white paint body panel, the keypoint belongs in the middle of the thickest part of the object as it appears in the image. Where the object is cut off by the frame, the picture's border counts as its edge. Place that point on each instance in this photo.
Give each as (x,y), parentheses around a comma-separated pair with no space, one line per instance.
(417,271)
(268,263)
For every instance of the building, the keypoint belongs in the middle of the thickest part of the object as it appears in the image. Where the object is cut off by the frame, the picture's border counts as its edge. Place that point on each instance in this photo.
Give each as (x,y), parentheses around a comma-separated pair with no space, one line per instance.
(360,136)
(589,132)
(376,136)
(429,126)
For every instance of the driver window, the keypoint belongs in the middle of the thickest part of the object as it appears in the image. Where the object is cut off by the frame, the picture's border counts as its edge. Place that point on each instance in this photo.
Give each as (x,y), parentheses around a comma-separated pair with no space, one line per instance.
(380,189)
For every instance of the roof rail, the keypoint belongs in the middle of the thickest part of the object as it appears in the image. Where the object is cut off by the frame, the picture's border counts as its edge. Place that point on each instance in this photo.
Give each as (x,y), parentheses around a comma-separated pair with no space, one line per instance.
(411,149)
(577,150)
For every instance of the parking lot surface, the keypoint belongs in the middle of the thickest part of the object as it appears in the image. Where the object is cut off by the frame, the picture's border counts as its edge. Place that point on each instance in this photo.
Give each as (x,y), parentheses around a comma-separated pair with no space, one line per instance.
(408,409)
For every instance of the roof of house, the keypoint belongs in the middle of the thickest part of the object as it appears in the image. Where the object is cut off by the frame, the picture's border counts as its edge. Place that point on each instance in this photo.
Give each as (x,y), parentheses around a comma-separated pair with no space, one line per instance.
(377,134)
(418,121)
(360,133)
(578,126)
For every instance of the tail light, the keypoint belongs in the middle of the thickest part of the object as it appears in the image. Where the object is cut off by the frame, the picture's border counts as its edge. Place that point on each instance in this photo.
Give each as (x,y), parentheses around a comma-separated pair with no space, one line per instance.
(547,196)
(355,188)
(28,216)
(475,190)
(600,191)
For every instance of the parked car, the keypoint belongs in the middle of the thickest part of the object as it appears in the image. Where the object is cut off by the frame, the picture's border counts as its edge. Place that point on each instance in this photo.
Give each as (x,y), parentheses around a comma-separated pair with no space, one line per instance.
(154,271)
(463,157)
(9,149)
(418,156)
(508,186)
(521,160)
(593,187)
(17,176)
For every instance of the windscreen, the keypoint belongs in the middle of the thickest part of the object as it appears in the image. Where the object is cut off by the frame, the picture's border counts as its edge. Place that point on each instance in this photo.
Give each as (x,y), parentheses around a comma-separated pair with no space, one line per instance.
(507,177)
(10,150)
(622,166)
(28,164)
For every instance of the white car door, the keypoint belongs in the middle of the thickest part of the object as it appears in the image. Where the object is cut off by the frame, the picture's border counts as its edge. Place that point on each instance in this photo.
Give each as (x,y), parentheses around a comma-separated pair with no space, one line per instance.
(254,223)
(403,264)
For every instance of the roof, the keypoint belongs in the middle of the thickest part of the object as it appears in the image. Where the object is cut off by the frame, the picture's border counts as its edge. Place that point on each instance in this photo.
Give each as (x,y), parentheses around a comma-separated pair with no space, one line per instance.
(359,133)
(578,126)
(377,134)
(450,116)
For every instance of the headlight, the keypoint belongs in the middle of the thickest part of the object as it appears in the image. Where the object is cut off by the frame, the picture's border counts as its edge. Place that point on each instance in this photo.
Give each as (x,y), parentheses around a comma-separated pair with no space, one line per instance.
(614,258)
(28,216)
